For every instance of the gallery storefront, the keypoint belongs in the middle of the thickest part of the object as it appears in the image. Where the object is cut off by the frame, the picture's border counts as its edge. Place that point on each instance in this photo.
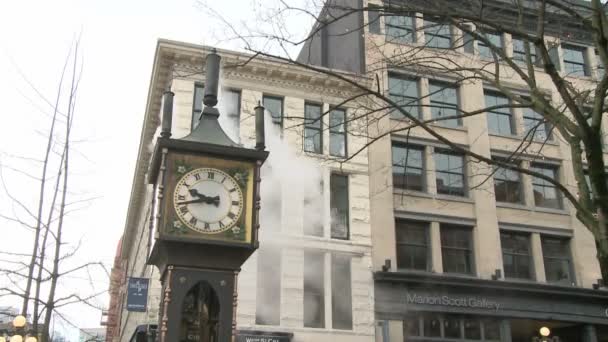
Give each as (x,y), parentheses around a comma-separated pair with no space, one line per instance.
(428,307)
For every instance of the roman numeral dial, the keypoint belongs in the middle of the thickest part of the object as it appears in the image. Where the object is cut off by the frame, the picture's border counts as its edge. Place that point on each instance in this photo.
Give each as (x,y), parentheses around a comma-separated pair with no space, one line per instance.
(208,200)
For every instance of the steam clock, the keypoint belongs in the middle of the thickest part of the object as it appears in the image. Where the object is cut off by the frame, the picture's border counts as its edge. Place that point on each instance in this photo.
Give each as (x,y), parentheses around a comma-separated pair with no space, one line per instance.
(206,219)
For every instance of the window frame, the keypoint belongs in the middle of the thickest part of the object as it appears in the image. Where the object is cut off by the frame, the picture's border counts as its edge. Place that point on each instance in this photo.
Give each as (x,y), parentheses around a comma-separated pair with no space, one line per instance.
(529,256)
(497,112)
(468,251)
(314,272)
(269,254)
(584,64)
(521,55)
(436,25)
(413,102)
(537,118)
(402,38)
(407,224)
(422,168)
(567,257)
(481,45)
(341,291)
(333,132)
(310,126)
(443,151)
(445,85)
(331,207)
(534,166)
(497,169)
(282,100)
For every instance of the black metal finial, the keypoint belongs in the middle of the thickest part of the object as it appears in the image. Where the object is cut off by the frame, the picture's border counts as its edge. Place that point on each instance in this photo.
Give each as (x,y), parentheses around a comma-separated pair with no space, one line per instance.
(167,117)
(260,137)
(212,78)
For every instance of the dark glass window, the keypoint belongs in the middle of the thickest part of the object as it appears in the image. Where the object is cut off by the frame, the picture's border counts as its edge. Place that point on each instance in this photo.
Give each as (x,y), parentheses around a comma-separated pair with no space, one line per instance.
(451,326)
(404,92)
(412,245)
(556,255)
(601,71)
(495,40)
(268,305)
(339,206)
(499,119)
(468,42)
(574,60)
(313,140)
(491,330)
(456,249)
(449,172)
(411,326)
(519,50)
(437,34)
(408,167)
(545,193)
(400,29)
(230,102)
(341,297)
(197,104)
(373,16)
(472,328)
(516,256)
(444,103)
(314,290)
(535,125)
(274,105)
(507,184)
(337,132)
(432,325)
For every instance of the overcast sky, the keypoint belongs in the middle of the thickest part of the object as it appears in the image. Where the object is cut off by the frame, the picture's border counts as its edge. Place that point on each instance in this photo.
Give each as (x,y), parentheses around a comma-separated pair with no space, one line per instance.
(118,40)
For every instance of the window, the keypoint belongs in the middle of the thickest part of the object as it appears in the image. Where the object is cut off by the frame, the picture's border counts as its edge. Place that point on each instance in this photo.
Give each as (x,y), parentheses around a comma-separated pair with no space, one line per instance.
(556,255)
(230,103)
(314,210)
(499,119)
(437,34)
(468,42)
(456,249)
(450,326)
(507,184)
(314,291)
(373,16)
(545,193)
(197,104)
(444,103)
(535,125)
(337,132)
(400,29)
(519,50)
(339,206)
(341,294)
(408,167)
(274,105)
(516,256)
(495,40)
(268,305)
(574,60)
(449,172)
(412,245)
(313,128)
(404,92)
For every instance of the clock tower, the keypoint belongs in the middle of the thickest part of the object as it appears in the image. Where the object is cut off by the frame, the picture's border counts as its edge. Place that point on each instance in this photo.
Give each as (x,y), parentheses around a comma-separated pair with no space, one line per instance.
(206,207)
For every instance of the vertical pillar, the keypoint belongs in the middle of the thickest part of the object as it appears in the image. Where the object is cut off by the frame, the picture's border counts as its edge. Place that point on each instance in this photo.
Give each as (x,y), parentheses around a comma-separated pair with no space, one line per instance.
(505,330)
(589,333)
(537,258)
(435,242)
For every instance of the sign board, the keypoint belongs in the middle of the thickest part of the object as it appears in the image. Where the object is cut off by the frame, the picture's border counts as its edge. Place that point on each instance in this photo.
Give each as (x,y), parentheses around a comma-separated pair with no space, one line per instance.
(259,336)
(137,294)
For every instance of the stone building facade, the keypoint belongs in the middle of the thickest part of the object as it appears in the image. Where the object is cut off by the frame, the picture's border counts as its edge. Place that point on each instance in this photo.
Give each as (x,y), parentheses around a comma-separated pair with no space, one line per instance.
(312,275)
(459,252)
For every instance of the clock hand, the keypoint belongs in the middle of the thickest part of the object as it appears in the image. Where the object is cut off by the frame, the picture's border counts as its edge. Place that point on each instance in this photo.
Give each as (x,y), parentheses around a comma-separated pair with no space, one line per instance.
(199,200)
(194,192)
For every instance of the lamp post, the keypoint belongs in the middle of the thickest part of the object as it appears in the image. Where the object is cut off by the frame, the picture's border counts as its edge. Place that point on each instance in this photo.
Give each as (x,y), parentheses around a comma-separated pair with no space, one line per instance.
(20,334)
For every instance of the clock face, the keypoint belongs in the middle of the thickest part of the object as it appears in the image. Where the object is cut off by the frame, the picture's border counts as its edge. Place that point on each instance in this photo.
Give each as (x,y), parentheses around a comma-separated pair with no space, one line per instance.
(208,200)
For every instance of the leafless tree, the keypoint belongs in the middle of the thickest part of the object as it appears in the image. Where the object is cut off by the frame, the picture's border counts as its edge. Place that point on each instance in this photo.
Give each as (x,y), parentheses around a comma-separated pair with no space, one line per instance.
(30,277)
(570,105)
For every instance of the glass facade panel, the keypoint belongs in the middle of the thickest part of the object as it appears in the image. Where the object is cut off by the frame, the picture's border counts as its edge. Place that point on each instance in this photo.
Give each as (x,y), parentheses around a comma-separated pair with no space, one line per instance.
(437,34)
(499,119)
(545,193)
(516,255)
(400,29)
(456,249)
(574,60)
(412,245)
(449,172)
(556,255)
(404,92)
(507,184)
(495,40)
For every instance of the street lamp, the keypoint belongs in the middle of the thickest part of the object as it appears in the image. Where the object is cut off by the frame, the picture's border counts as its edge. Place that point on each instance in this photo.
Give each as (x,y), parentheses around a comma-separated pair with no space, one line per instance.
(19,324)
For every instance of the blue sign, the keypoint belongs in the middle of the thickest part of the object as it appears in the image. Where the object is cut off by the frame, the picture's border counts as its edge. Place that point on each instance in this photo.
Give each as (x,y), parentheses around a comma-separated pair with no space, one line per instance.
(137,294)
